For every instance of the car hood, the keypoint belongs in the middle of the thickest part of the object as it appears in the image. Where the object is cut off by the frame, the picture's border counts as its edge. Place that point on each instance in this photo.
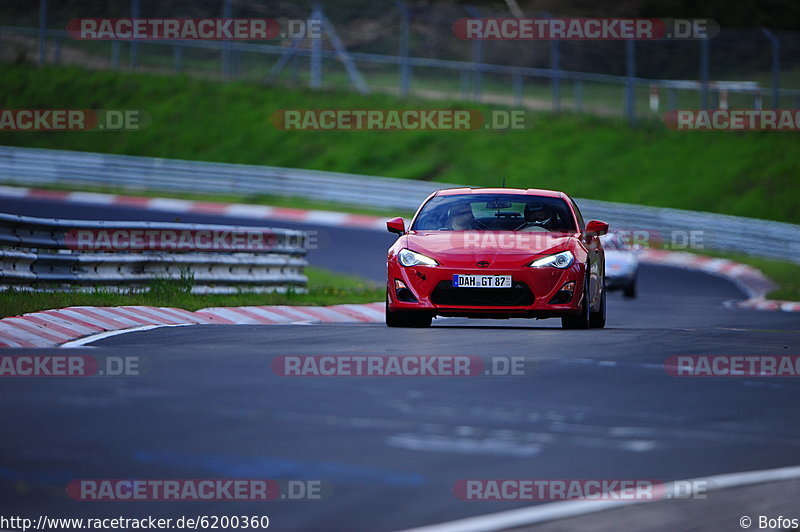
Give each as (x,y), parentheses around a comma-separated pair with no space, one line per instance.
(475,243)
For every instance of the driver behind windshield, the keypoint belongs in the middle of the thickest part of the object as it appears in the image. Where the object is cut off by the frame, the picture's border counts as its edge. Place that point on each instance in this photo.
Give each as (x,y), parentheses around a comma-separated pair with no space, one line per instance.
(538,215)
(461,218)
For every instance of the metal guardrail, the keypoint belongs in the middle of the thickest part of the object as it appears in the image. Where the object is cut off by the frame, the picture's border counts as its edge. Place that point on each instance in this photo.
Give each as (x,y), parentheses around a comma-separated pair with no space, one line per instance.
(32,166)
(719,232)
(39,253)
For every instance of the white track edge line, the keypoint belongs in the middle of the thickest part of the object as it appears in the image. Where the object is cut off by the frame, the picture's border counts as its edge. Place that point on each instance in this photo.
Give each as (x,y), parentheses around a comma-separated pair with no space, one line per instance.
(567,509)
(81,342)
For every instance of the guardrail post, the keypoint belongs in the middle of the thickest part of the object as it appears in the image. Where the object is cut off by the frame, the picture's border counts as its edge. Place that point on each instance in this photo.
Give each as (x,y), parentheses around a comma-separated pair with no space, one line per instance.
(776,67)
(655,98)
(704,46)
(671,97)
(135,13)
(578,95)
(57,53)
(42,32)
(516,82)
(630,85)
(237,63)
(115,46)
(177,58)
(405,66)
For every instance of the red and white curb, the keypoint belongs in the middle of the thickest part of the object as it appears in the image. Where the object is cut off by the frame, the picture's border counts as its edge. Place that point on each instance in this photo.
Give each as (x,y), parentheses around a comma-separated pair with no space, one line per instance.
(750,279)
(52,328)
(242,210)
(767,304)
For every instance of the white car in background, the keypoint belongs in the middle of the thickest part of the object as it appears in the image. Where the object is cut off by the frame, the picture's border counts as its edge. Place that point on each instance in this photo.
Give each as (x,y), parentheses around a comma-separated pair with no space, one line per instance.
(622,264)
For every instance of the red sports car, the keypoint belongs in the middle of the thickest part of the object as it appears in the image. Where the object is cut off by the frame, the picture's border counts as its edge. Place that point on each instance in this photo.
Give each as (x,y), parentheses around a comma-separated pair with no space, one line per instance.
(497,253)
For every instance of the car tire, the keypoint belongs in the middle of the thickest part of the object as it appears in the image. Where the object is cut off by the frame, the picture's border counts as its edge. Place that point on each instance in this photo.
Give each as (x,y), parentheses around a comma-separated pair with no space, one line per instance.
(630,290)
(396,318)
(597,320)
(581,319)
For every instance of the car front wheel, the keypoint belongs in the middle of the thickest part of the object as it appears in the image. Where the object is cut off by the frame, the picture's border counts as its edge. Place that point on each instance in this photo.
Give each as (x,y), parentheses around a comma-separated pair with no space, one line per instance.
(581,319)
(597,319)
(399,318)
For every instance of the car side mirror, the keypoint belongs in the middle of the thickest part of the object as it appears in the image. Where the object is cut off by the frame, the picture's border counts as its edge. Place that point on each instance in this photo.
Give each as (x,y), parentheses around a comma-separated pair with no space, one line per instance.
(596,228)
(396,225)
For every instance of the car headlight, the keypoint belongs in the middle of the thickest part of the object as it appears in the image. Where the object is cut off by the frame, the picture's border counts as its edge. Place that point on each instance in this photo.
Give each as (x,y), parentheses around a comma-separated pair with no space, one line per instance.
(559,260)
(412,258)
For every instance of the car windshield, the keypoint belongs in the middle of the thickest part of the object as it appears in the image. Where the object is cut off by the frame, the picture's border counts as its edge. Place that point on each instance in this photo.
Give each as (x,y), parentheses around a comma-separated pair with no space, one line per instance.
(495,212)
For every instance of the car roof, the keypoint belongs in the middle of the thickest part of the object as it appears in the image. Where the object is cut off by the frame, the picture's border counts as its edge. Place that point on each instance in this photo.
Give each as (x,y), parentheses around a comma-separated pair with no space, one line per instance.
(529,191)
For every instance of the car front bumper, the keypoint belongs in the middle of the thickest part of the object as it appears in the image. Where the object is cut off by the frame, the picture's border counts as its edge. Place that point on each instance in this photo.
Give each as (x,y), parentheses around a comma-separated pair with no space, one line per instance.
(429,289)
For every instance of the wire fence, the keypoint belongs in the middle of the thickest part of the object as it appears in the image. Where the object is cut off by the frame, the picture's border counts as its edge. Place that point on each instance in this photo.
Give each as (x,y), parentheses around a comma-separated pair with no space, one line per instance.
(409,48)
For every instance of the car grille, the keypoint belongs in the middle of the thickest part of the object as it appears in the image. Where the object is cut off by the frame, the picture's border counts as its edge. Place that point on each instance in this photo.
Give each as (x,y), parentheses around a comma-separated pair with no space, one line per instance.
(519,295)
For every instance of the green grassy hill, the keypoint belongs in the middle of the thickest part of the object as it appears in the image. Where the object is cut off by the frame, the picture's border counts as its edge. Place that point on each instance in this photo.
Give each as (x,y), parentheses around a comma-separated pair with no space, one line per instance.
(748,174)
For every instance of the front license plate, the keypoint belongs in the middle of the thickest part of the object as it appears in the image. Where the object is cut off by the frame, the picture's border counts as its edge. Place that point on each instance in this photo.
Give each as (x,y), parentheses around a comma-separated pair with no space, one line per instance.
(481,281)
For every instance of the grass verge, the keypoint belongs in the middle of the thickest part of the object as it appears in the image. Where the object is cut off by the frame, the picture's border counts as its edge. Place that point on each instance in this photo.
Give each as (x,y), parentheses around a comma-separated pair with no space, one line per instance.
(741,173)
(324,288)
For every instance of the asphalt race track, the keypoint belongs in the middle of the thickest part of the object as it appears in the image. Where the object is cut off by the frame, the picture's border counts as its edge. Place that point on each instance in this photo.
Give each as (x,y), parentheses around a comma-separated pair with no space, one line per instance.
(592,404)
